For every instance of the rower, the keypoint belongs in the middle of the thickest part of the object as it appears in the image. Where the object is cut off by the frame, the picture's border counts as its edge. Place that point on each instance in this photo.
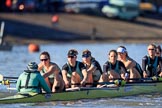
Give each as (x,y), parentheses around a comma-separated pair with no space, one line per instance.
(51,73)
(113,68)
(93,67)
(151,64)
(133,68)
(31,80)
(74,72)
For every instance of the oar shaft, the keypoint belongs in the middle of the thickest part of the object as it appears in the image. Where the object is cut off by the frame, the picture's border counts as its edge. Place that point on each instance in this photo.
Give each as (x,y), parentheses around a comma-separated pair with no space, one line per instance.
(94,83)
(141,84)
(91,88)
(136,79)
(7,82)
(142,79)
(123,83)
(7,77)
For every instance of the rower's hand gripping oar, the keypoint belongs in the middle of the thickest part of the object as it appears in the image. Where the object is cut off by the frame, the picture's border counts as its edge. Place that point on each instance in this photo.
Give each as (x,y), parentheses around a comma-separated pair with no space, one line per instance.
(158,79)
(150,81)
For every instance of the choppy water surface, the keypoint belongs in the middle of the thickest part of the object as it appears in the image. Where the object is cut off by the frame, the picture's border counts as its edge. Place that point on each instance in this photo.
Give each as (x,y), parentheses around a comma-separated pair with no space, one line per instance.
(14,62)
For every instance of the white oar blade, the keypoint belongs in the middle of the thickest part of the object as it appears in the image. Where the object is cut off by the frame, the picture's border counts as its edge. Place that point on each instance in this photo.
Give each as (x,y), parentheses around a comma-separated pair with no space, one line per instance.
(1,77)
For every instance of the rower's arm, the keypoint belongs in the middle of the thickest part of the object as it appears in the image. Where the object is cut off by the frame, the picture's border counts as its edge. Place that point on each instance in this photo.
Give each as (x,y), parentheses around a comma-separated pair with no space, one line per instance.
(49,72)
(106,67)
(84,72)
(85,75)
(130,64)
(144,59)
(144,63)
(91,69)
(56,73)
(64,75)
(123,71)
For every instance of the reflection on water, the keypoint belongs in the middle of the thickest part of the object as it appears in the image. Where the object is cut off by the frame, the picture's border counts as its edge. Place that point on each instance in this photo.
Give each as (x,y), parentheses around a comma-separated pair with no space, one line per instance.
(13,63)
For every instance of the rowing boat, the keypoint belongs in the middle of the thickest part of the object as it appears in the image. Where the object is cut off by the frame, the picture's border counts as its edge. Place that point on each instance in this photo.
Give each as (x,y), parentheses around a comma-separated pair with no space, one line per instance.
(147,86)
(86,93)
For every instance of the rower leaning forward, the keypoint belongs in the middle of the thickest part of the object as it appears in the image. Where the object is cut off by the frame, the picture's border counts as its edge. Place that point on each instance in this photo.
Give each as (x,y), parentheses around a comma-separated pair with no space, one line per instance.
(74,72)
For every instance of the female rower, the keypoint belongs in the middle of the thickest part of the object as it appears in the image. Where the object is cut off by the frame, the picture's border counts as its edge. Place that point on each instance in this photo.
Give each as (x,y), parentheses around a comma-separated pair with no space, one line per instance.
(74,72)
(113,69)
(151,64)
(51,72)
(93,67)
(133,68)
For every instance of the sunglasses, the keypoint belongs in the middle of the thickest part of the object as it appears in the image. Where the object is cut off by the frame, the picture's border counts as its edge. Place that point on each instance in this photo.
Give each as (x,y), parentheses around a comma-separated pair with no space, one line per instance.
(71,56)
(85,56)
(43,59)
(151,49)
(158,53)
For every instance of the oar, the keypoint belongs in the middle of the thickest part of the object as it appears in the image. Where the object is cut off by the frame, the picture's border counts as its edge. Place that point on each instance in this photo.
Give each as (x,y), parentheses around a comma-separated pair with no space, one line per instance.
(6,77)
(142,79)
(91,88)
(100,83)
(123,83)
(141,84)
(7,82)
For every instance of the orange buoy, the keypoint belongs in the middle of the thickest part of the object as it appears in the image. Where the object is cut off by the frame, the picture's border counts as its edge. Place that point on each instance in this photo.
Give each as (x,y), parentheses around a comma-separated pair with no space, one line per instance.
(8,3)
(33,48)
(55,19)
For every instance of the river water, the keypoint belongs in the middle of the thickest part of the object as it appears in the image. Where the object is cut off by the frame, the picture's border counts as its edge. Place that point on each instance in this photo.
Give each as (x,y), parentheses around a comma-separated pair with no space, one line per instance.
(15,61)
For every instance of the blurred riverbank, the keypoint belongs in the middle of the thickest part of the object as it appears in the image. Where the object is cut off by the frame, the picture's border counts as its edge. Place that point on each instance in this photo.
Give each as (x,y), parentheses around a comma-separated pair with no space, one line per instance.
(24,28)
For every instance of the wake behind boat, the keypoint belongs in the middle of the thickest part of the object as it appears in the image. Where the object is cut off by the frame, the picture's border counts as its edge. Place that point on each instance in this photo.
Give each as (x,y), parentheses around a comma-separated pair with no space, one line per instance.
(86,93)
